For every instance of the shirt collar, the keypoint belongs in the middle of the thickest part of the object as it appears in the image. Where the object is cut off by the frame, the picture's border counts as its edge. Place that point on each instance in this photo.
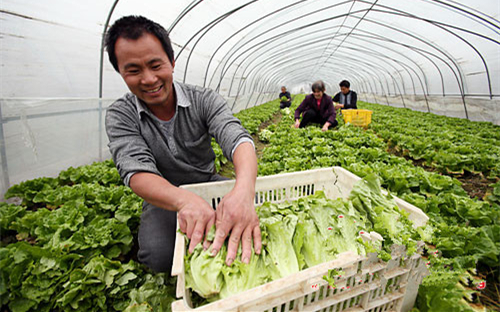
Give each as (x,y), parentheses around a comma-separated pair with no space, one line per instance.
(181,98)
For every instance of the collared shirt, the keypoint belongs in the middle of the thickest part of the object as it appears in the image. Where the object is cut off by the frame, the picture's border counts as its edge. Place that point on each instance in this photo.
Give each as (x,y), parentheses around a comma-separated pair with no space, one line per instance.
(179,149)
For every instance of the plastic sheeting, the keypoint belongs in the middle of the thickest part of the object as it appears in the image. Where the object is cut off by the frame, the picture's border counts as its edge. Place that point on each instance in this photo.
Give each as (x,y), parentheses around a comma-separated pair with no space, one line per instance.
(42,137)
(441,56)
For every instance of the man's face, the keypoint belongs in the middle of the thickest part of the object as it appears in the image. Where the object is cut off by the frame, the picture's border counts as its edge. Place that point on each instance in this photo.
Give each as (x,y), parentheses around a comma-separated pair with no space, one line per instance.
(344,90)
(318,94)
(283,90)
(146,69)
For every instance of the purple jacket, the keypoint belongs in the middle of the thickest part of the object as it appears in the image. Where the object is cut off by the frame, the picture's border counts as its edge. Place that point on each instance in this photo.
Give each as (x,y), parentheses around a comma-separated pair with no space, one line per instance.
(326,110)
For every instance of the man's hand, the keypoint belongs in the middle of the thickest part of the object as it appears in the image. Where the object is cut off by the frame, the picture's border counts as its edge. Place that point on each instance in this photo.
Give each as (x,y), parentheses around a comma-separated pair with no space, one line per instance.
(236,211)
(297,123)
(194,214)
(337,106)
(196,217)
(236,214)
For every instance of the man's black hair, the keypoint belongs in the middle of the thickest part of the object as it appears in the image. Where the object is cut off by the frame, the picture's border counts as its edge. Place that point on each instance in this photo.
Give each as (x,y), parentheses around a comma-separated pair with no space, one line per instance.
(133,27)
(345,83)
(318,86)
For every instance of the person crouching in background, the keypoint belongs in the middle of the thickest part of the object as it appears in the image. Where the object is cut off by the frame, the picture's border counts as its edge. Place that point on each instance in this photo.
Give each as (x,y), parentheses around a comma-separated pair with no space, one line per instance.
(285,94)
(317,107)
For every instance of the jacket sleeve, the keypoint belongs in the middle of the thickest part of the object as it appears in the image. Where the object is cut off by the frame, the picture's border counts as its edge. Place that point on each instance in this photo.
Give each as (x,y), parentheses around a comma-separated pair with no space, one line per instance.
(336,98)
(354,100)
(330,112)
(302,107)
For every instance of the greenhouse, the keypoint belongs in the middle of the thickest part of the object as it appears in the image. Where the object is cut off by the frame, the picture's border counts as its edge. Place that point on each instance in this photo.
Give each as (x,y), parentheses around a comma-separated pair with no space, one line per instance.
(333,155)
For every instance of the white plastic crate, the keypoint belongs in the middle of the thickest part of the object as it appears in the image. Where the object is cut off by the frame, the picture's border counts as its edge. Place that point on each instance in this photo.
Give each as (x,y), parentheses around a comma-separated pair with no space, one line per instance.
(368,284)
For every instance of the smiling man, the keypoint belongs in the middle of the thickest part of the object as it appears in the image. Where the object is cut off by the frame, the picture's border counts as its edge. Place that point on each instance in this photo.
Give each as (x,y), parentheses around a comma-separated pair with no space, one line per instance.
(160,137)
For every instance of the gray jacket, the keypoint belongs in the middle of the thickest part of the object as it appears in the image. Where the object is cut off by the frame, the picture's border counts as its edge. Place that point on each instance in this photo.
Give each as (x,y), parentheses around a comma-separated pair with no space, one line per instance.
(180,149)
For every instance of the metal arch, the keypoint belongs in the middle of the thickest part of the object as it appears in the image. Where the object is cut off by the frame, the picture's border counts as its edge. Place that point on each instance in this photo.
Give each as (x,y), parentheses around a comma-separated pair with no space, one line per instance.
(208,27)
(305,26)
(272,76)
(311,51)
(373,69)
(434,48)
(270,59)
(353,74)
(426,43)
(101,67)
(184,12)
(275,27)
(101,72)
(394,60)
(340,27)
(216,21)
(248,102)
(282,24)
(364,82)
(269,39)
(240,30)
(350,32)
(212,24)
(375,44)
(414,49)
(467,12)
(191,8)
(461,84)
(421,84)
(444,26)
(301,71)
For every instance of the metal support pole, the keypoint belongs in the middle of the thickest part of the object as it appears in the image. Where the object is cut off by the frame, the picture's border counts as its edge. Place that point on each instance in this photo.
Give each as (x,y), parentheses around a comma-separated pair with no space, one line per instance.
(3,155)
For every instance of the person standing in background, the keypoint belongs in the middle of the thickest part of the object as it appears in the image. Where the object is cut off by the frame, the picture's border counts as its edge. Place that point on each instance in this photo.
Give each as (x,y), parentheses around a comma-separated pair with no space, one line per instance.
(288,101)
(346,98)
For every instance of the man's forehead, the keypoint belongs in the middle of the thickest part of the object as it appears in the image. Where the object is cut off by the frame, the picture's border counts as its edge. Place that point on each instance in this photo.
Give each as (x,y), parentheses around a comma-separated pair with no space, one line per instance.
(146,48)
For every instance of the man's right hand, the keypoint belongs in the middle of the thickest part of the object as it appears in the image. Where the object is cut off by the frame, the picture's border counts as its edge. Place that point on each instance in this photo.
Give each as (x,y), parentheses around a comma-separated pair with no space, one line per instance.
(196,218)
(297,123)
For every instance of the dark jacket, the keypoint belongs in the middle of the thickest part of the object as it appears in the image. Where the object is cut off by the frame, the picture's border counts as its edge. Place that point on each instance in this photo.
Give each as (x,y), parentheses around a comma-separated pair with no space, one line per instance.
(287,94)
(326,110)
(354,100)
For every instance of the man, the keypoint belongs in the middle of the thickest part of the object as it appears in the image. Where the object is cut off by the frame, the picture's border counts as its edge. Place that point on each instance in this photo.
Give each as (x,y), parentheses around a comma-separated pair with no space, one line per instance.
(160,137)
(346,98)
(288,101)
(316,107)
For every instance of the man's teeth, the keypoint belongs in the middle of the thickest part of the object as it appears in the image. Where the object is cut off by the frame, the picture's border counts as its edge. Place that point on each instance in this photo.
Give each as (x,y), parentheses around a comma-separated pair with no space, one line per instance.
(153,90)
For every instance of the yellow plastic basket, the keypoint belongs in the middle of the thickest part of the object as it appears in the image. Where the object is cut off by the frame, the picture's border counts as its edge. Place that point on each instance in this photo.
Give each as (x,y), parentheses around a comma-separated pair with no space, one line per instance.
(357,117)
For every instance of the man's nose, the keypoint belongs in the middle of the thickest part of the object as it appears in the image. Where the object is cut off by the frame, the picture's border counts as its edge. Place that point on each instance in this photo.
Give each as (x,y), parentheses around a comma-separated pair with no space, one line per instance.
(148,77)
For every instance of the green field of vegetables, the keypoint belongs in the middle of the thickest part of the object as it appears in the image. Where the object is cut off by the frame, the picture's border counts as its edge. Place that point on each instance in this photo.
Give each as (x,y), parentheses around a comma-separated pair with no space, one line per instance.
(71,244)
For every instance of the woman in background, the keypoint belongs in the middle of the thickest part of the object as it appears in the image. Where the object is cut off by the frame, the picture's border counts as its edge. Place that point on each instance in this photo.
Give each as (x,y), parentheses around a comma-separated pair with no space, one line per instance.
(316,108)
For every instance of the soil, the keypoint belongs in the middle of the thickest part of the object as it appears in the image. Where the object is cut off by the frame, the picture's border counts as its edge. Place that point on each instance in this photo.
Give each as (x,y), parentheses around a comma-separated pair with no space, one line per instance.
(476,185)
(227,170)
